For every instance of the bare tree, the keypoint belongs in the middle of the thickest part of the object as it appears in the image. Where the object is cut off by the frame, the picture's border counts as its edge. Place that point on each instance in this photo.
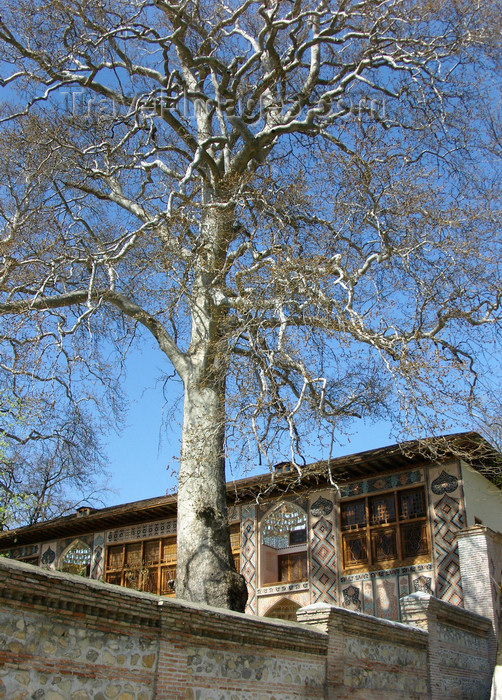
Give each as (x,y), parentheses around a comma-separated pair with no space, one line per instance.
(50,460)
(295,199)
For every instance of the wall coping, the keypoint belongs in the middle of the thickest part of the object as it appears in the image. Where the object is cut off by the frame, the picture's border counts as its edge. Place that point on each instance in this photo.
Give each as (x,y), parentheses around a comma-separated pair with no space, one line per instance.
(447,613)
(479,530)
(27,583)
(349,621)
(100,602)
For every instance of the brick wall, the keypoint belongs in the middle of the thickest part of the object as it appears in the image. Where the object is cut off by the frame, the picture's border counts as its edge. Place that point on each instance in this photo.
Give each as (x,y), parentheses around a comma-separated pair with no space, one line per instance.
(63,637)
(67,638)
(480,551)
(368,657)
(458,647)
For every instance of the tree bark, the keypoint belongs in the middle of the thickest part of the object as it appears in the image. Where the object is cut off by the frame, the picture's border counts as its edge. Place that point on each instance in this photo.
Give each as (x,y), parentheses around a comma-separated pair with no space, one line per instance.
(205,566)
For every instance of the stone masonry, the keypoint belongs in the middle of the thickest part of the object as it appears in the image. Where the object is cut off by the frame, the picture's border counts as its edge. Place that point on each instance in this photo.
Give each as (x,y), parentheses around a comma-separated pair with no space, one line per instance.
(64,637)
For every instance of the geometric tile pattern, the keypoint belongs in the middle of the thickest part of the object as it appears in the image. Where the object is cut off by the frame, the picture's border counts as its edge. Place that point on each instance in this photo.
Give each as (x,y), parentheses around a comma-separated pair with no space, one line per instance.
(97,561)
(386,598)
(422,584)
(372,592)
(351,598)
(248,554)
(381,483)
(323,552)
(284,588)
(382,573)
(29,550)
(448,520)
(368,597)
(142,531)
(404,585)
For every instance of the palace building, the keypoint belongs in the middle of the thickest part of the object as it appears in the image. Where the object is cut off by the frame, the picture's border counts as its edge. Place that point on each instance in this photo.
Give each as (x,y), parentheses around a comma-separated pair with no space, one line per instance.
(359,532)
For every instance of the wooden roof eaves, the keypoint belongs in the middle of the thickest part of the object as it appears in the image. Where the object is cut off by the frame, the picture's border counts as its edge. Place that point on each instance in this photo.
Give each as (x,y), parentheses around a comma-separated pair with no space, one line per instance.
(343,469)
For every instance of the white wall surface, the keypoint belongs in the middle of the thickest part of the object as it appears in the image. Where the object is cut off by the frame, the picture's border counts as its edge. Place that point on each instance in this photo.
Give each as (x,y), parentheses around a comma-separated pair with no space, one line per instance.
(483,500)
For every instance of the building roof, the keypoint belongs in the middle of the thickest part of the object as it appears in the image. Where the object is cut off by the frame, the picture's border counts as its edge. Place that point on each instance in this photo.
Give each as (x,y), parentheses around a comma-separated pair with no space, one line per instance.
(470,446)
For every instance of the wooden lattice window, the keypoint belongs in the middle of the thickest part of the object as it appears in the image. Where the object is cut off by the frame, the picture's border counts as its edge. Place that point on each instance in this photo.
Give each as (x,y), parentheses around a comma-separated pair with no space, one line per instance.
(150,565)
(146,566)
(169,551)
(382,509)
(168,578)
(235,544)
(412,504)
(384,529)
(355,550)
(353,514)
(414,538)
(384,545)
(292,567)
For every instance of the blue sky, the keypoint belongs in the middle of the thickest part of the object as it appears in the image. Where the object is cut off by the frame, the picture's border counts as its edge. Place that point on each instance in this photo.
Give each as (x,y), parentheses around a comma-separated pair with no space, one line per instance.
(141,459)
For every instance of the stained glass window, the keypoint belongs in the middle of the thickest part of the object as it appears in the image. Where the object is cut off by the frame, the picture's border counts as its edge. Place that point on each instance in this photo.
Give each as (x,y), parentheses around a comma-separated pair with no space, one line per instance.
(414,539)
(353,514)
(384,545)
(355,551)
(411,504)
(382,509)
(150,565)
(278,526)
(77,559)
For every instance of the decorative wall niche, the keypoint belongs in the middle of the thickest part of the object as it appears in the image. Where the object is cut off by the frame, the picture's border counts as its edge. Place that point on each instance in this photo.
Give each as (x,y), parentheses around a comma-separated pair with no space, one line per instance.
(283,551)
(76,559)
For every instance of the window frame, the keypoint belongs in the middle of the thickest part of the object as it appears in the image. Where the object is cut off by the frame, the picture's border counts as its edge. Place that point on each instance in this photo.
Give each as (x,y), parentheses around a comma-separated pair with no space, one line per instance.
(367,532)
(157,570)
(81,569)
(151,572)
(294,566)
(293,556)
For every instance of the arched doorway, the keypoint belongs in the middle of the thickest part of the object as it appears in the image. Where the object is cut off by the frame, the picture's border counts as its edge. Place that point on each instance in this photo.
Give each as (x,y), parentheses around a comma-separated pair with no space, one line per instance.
(285,609)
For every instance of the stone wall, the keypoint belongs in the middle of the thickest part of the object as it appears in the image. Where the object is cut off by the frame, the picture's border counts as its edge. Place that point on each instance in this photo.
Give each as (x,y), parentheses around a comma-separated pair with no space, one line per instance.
(370,658)
(64,637)
(459,647)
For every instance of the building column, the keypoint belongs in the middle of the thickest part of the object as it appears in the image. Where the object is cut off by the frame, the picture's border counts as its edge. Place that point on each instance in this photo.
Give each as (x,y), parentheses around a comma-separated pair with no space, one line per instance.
(480,553)
(249,544)
(324,562)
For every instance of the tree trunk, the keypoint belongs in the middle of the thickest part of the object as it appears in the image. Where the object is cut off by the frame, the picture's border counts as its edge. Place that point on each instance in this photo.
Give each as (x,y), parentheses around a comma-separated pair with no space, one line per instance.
(205,567)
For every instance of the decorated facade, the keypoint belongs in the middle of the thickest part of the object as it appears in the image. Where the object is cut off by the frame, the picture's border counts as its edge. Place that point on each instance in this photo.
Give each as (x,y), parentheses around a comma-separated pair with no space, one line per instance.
(359,532)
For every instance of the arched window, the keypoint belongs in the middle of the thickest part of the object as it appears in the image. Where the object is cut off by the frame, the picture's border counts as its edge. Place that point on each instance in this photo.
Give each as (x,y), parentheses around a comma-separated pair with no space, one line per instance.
(283,555)
(77,559)
(284,526)
(285,609)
